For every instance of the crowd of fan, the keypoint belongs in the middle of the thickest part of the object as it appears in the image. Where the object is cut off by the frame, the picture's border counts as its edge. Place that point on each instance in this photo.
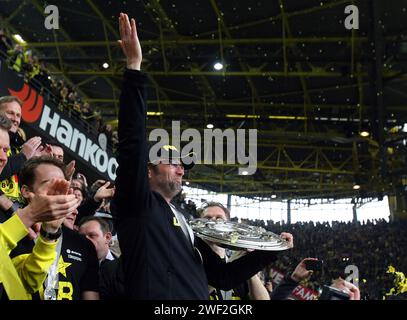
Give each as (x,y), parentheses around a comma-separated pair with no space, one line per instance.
(92,200)
(65,96)
(371,247)
(339,245)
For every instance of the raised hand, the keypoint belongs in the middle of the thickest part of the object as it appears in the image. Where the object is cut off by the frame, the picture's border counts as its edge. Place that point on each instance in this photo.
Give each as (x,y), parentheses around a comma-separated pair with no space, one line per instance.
(289,238)
(301,272)
(129,42)
(97,184)
(354,293)
(348,288)
(70,170)
(57,187)
(43,151)
(81,177)
(104,193)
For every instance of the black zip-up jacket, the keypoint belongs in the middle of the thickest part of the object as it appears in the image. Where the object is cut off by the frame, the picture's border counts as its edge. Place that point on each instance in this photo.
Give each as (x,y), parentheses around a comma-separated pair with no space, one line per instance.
(159,262)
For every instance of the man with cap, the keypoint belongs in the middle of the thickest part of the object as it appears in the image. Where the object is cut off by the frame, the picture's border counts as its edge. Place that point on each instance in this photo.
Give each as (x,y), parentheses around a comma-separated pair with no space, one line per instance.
(162,259)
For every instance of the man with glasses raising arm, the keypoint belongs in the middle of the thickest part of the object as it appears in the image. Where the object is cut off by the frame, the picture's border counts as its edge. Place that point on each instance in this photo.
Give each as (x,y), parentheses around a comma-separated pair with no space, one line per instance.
(161,257)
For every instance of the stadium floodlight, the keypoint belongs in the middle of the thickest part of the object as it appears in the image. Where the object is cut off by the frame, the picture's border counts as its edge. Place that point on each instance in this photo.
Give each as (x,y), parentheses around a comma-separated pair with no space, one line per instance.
(364,134)
(218,66)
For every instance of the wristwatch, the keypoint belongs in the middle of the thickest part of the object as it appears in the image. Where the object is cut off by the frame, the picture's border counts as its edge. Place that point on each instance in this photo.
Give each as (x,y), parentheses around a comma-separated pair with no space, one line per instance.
(49,235)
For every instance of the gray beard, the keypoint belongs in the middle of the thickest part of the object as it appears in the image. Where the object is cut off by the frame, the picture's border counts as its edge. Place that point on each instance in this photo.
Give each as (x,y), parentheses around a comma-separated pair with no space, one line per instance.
(171,189)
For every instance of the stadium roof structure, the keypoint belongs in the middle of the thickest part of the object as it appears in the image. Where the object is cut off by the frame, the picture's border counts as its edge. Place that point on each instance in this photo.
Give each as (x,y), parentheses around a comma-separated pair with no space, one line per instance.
(292,70)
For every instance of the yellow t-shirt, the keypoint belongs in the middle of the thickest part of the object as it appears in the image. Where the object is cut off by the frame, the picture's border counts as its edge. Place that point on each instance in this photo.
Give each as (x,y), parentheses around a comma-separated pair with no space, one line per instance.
(25,275)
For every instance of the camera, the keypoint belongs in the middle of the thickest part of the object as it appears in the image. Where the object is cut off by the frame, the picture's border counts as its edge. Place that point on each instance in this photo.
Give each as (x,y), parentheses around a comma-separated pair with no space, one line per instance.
(331,293)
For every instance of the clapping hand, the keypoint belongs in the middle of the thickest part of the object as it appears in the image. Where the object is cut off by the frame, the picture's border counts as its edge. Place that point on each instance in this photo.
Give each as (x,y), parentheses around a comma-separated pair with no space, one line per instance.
(51,203)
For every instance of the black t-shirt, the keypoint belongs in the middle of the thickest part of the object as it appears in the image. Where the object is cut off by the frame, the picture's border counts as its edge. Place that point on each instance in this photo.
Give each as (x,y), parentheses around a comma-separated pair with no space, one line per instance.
(241,292)
(78,267)
(112,280)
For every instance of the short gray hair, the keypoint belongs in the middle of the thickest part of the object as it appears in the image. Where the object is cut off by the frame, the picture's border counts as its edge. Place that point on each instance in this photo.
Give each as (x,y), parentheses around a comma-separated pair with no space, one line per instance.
(8,99)
(5,123)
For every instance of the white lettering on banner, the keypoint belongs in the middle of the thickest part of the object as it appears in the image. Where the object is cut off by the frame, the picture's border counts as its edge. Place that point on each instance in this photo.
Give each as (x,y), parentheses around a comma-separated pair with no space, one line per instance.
(46,119)
(304,293)
(65,134)
(90,150)
(101,166)
(276,276)
(300,292)
(78,136)
(112,164)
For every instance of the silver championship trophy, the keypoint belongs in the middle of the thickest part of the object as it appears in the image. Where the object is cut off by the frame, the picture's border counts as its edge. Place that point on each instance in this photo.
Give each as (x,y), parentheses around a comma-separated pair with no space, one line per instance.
(237,236)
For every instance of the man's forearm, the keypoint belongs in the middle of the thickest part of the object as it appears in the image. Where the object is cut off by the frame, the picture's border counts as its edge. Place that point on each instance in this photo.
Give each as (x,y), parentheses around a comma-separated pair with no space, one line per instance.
(33,268)
(11,232)
(226,276)
(257,290)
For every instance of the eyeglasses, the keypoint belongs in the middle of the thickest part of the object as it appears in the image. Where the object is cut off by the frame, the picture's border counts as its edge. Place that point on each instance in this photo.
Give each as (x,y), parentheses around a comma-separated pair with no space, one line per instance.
(171,162)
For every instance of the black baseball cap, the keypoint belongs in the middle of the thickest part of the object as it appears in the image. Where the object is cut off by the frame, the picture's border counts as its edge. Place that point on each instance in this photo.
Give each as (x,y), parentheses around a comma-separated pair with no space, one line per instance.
(170,152)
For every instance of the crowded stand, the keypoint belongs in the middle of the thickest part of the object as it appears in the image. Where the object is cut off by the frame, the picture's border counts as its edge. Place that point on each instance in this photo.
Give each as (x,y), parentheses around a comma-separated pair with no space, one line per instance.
(334,243)
(383,242)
